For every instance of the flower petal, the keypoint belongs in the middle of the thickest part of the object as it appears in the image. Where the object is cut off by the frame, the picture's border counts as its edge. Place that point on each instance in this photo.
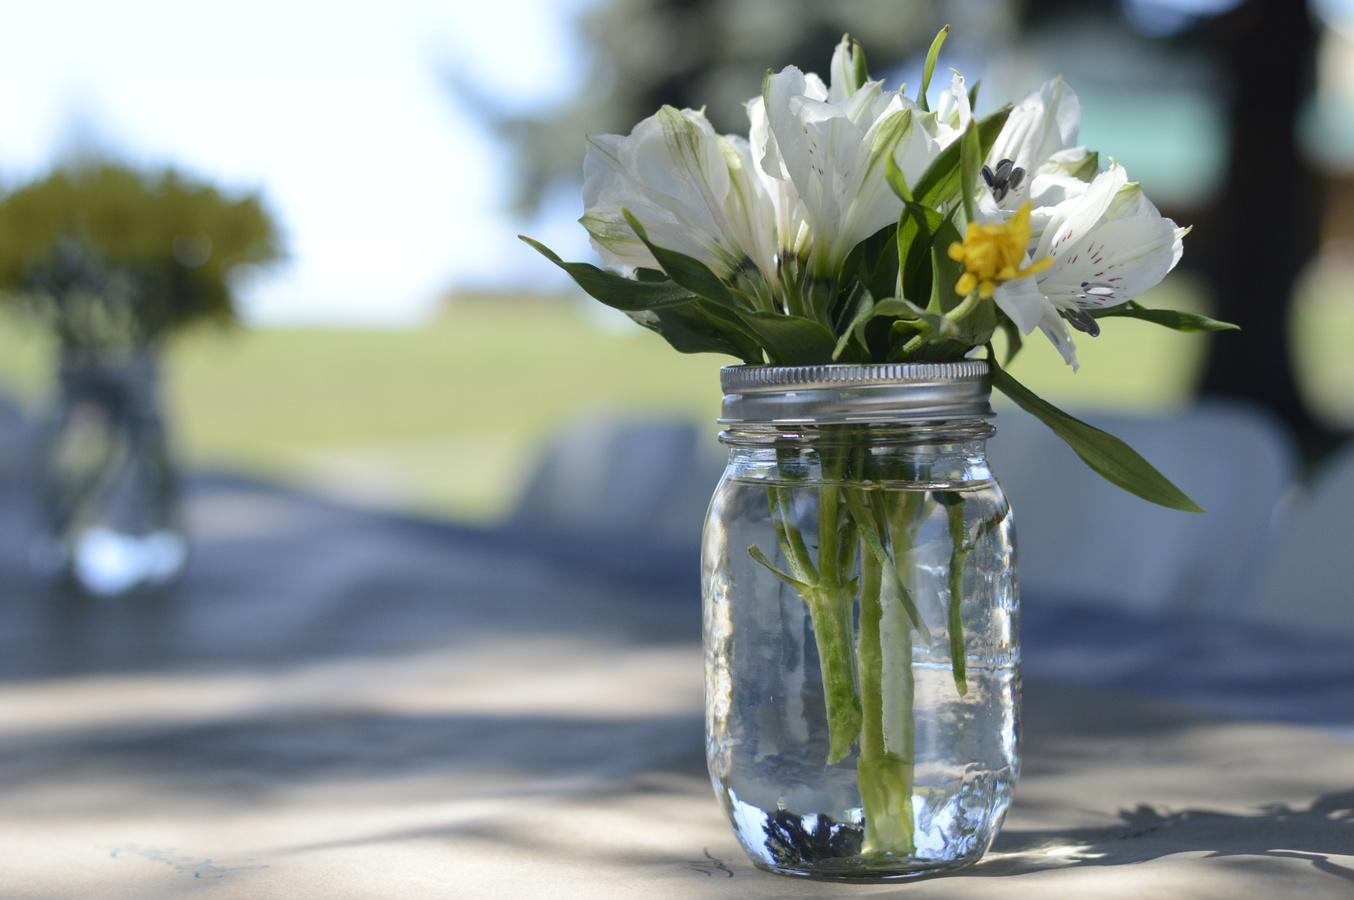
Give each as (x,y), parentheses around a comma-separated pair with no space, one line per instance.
(1044,123)
(1022,302)
(1113,263)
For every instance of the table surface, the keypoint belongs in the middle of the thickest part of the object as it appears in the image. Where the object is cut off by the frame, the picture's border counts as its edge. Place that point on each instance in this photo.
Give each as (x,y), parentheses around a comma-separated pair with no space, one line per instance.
(344,704)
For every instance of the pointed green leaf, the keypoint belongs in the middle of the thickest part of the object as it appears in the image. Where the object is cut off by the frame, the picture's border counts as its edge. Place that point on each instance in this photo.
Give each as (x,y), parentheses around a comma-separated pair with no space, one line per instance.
(1170,318)
(938,325)
(686,271)
(930,67)
(901,309)
(973,94)
(894,176)
(1108,456)
(879,261)
(688,330)
(917,226)
(970,164)
(615,290)
(1089,168)
(756,553)
(940,182)
(860,74)
(859,311)
(1013,340)
(946,271)
(790,340)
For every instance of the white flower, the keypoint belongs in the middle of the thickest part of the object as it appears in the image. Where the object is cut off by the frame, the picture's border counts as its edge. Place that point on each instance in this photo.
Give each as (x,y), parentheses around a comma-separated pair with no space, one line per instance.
(1105,245)
(1040,140)
(953,111)
(690,188)
(831,144)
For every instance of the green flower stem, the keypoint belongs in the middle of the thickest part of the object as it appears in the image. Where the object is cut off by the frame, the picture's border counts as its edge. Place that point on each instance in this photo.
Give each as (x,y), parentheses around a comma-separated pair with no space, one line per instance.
(958,556)
(834,632)
(966,306)
(836,648)
(787,531)
(886,766)
(830,610)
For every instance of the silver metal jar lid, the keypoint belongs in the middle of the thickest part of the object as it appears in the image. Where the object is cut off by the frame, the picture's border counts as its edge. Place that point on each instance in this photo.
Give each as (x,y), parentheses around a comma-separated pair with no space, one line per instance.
(837,394)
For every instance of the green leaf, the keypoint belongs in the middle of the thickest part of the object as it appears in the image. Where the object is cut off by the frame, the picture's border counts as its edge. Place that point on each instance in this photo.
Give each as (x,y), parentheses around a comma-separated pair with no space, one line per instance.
(790,340)
(688,330)
(756,553)
(686,271)
(1170,318)
(1108,456)
(970,164)
(931,56)
(973,94)
(1013,340)
(617,291)
(860,74)
(878,265)
(945,271)
(892,307)
(940,182)
(977,327)
(1089,168)
(938,325)
(917,226)
(894,176)
(857,309)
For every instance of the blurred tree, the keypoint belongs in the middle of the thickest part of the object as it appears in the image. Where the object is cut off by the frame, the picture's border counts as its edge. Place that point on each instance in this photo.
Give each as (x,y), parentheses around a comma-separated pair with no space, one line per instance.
(1264,226)
(116,258)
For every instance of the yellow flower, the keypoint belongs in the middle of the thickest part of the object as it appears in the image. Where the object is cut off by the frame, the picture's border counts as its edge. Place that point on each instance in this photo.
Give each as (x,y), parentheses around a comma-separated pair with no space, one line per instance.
(993,253)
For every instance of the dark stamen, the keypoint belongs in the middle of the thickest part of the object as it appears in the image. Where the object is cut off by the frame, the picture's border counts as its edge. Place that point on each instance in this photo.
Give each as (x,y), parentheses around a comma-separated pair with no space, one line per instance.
(1082,320)
(1007,177)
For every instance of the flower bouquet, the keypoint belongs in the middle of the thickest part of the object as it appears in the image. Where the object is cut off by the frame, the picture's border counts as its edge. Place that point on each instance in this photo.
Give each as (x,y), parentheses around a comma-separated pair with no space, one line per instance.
(112,261)
(857,240)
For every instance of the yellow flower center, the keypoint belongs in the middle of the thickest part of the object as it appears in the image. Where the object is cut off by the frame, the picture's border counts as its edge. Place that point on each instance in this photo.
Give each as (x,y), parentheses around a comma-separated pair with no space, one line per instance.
(993,253)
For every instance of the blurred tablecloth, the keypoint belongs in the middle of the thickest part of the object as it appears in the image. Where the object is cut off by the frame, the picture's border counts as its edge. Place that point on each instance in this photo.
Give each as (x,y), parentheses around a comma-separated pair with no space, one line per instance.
(339,704)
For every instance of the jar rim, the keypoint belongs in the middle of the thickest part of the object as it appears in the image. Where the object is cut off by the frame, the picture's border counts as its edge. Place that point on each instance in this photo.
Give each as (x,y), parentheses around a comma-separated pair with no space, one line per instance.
(846,393)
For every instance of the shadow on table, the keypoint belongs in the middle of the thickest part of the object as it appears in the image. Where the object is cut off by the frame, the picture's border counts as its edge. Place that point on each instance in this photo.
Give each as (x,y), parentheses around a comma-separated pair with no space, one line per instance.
(1315,833)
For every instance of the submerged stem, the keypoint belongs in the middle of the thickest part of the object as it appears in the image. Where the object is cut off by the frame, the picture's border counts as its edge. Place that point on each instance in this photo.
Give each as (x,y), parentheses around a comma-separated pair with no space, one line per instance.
(954,508)
(887,762)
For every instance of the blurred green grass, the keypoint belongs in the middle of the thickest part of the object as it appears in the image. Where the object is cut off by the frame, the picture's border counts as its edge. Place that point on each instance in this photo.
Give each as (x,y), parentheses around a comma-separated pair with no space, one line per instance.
(447,419)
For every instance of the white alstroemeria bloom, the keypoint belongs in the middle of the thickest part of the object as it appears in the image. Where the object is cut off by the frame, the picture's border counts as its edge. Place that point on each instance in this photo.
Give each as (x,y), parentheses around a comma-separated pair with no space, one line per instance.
(1040,140)
(995,251)
(690,188)
(1108,245)
(750,208)
(1103,246)
(791,230)
(834,154)
(953,111)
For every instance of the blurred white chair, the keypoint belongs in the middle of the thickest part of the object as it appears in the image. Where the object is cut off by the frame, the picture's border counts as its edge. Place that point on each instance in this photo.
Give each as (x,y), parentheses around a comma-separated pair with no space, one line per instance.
(1308,584)
(1081,539)
(616,479)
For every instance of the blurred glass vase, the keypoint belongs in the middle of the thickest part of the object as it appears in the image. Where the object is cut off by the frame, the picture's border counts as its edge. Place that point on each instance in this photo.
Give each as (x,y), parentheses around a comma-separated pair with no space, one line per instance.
(110,493)
(861,623)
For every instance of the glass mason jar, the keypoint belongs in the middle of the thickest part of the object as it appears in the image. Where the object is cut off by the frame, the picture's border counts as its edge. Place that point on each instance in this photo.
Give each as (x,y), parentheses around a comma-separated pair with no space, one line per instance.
(109,489)
(860,618)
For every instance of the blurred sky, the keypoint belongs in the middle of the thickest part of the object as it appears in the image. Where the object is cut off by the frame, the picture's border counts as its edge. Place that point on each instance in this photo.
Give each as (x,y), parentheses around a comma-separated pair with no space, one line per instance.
(387,192)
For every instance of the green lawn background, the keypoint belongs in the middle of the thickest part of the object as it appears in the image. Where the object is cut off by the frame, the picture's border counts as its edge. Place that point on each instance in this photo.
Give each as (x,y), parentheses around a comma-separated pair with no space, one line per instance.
(449,418)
